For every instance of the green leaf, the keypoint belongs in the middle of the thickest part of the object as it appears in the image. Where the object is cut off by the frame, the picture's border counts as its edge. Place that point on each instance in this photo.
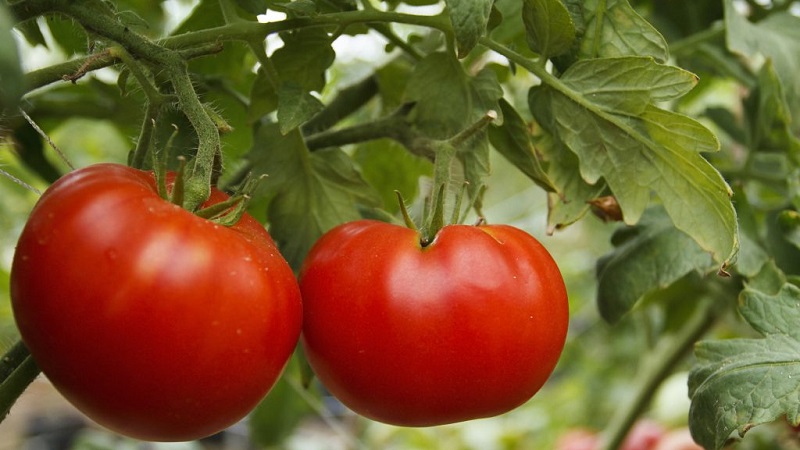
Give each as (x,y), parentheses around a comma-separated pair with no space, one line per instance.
(475,160)
(789,222)
(740,383)
(469,19)
(646,258)
(304,58)
(447,99)
(752,255)
(392,81)
(32,32)
(614,28)
(627,85)
(233,64)
(12,83)
(302,8)
(295,106)
(769,117)
(512,140)
(150,16)
(638,148)
(474,153)
(68,35)
(777,37)
(310,192)
(279,413)
(389,167)
(263,97)
(768,280)
(571,201)
(549,28)
(511,30)
(253,6)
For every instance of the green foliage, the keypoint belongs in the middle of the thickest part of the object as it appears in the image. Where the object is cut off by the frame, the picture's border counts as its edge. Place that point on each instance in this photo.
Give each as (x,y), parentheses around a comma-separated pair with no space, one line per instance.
(282,409)
(740,383)
(776,37)
(604,111)
(10,71)
(647,258)
(470,19)
(614,28)
(446,98)
(549,27)
(311,192)
(513,141)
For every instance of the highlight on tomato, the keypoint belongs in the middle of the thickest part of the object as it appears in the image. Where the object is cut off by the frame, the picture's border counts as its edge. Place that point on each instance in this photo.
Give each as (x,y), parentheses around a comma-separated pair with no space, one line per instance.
(468,326)
(156,323)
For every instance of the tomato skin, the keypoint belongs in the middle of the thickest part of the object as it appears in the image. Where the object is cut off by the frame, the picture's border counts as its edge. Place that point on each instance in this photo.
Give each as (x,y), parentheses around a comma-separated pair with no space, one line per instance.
(470,326)
(156,323)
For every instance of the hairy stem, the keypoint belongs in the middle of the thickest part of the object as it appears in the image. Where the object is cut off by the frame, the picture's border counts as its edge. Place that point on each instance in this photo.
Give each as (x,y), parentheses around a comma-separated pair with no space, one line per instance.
(199,181)
(154,102)
(201,42)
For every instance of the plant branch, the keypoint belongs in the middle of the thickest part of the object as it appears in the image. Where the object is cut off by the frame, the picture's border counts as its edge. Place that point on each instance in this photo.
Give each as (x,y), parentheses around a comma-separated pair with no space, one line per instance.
(561,88)
(57,72)
(94,20)
(17,372)
(74,69)
(394,126)
(346,102)
(245,31)
(656,368)
(12,359)
(203,42)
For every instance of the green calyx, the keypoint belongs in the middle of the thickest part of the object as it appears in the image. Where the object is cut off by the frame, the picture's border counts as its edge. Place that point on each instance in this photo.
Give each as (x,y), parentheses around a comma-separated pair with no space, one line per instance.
(434,213)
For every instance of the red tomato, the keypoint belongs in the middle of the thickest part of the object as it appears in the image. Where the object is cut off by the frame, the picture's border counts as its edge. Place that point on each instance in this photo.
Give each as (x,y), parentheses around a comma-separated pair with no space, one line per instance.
(644,435)
(578,440)
(156,323)
(469,326)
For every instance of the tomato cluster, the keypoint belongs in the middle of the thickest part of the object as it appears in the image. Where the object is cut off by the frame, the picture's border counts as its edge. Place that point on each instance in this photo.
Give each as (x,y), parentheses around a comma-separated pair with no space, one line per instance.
(162,325)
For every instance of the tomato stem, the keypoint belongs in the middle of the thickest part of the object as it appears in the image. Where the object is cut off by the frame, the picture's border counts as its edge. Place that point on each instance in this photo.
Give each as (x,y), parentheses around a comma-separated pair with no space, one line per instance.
(437,217)
(445,151)
(17,371)
(160,158)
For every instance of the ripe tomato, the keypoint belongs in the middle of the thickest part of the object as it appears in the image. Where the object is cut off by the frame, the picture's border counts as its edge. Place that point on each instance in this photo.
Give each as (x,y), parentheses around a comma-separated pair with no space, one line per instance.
(156,323)
(469,326)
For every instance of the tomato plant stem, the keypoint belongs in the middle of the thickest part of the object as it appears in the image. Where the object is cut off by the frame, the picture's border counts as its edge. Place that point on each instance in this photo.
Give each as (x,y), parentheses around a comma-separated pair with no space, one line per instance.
(656,368)
(346,102)
(395,127)
(102,22)
(17,371)
(200,42)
